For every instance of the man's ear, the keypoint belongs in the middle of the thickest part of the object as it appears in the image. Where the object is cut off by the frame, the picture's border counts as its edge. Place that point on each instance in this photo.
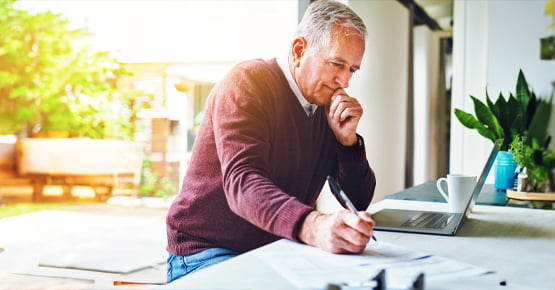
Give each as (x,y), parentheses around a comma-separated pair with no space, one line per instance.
(298,49)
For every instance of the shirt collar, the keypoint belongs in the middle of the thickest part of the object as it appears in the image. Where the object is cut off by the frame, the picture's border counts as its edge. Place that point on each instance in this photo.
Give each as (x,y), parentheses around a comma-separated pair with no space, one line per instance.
(308,107)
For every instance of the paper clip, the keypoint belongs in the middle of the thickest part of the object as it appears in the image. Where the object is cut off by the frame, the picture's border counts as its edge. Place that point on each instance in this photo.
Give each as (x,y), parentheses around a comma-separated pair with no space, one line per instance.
(376,283)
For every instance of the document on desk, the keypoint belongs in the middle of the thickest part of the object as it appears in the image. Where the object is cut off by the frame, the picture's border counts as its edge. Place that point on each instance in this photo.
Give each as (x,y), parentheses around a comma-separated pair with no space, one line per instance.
(308,267)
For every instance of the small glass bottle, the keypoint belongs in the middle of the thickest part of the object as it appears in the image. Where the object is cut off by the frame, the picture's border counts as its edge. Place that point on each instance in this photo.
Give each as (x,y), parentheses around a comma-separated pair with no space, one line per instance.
(522,181)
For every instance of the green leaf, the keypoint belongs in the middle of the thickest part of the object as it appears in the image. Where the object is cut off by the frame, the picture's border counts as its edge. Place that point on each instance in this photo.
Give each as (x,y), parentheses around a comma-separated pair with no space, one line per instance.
(487,118)
(549,159)
(490,104)
(516,111)
(522,90)
(499,109)
(471,122)
(540,121)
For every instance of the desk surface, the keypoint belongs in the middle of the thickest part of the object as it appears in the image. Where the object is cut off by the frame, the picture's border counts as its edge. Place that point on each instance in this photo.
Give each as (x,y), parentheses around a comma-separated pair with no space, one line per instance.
(427,191)
(516,243)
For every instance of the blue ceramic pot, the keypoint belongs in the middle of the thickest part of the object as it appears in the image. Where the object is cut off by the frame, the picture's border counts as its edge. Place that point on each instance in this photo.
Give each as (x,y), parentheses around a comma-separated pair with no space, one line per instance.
(505,167)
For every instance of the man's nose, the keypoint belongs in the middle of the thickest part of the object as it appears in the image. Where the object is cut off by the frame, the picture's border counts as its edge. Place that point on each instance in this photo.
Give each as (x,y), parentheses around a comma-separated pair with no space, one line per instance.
(343,79)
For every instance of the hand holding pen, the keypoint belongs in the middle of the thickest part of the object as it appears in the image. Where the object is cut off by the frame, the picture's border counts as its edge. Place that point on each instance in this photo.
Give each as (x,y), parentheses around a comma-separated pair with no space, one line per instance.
(343,198)
(339,232)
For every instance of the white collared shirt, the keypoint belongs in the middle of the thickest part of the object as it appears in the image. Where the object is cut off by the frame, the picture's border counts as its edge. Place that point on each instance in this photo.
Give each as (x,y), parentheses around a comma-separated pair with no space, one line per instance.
(308,107)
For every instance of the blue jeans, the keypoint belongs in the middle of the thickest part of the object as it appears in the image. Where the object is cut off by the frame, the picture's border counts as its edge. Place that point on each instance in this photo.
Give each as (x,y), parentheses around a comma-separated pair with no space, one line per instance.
(179,266)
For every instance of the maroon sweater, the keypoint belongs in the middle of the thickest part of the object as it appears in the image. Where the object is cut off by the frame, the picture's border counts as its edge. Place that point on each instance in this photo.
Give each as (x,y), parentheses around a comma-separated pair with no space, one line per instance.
(258,165)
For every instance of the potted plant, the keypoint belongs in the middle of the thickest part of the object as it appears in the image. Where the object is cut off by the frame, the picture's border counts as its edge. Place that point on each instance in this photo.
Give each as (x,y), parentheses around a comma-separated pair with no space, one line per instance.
(520,114)
(536,182)
(531,152)
(538,162)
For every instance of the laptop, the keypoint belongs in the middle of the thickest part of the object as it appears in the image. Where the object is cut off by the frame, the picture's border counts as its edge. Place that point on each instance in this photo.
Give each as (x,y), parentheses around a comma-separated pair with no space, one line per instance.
(432,222)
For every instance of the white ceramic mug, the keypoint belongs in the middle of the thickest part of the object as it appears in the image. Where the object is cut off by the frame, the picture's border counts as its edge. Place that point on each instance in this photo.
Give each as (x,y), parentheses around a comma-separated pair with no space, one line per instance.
(460,188)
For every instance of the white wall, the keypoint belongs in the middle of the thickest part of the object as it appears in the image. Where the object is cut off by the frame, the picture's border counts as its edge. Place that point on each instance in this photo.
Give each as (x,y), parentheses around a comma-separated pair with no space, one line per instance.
(426,75)
(492,40)
(381,88)
(468,148)
(514,31)
(518,38)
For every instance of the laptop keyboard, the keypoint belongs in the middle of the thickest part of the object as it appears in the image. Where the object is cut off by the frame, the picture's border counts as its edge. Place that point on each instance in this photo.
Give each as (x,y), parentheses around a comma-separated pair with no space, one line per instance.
(428,220)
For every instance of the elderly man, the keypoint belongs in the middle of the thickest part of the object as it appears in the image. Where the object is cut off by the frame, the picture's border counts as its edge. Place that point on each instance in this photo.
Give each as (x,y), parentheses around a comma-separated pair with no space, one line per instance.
(272,131)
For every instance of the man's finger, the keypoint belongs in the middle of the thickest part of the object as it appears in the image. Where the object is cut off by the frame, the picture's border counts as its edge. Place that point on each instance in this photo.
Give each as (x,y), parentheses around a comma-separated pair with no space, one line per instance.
(343,108)
(361,224)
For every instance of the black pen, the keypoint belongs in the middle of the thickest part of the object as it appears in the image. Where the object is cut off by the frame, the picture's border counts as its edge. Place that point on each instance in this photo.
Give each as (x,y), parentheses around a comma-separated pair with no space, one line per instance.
(343,198)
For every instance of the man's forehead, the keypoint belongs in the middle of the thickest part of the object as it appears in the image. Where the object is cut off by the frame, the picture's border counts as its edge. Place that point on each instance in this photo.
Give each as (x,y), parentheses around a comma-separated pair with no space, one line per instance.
(348,51)
(341,36)
(338,30)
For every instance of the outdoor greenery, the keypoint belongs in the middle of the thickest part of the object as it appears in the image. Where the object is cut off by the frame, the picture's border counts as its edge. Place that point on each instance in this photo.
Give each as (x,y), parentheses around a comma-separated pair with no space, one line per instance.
(153,184)
(23,208)
(523,114)
(51,79)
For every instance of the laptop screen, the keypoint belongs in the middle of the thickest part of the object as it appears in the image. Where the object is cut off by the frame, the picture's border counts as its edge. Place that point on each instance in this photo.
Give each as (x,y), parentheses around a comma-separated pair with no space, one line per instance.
(483,176)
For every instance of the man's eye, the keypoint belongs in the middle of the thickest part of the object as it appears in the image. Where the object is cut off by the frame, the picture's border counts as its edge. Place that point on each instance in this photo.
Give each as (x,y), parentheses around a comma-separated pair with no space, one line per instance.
(336,64)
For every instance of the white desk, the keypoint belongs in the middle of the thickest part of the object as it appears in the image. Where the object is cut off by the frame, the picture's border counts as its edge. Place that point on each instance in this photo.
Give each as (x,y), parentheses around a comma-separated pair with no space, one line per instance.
(517,243)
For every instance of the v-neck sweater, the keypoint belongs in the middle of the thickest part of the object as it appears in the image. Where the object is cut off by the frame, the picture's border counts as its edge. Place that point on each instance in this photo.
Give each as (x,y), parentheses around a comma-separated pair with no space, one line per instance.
(258,165)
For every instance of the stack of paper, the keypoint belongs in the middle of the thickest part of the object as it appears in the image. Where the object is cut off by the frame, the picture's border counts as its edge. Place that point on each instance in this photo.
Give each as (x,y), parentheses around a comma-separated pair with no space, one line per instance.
(307,267)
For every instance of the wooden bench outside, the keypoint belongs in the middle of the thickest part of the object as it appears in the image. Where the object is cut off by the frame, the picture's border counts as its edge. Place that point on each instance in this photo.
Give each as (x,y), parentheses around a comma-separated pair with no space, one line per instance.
(100,164)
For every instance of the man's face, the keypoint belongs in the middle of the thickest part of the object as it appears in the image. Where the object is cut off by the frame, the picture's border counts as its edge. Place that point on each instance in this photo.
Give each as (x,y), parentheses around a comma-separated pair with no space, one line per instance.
(319,73)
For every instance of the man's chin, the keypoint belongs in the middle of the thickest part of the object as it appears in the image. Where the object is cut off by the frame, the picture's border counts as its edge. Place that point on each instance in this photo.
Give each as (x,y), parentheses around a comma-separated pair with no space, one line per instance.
(321,100)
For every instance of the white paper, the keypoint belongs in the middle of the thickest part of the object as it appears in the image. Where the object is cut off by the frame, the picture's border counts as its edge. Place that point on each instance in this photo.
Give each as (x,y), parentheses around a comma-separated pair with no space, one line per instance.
(311,268)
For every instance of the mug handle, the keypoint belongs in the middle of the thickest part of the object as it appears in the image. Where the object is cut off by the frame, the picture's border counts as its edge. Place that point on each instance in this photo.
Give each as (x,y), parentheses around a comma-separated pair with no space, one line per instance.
(440,189)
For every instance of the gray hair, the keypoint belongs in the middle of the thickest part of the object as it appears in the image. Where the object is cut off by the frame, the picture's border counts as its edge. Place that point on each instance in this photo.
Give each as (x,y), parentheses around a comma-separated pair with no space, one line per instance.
(321,16)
